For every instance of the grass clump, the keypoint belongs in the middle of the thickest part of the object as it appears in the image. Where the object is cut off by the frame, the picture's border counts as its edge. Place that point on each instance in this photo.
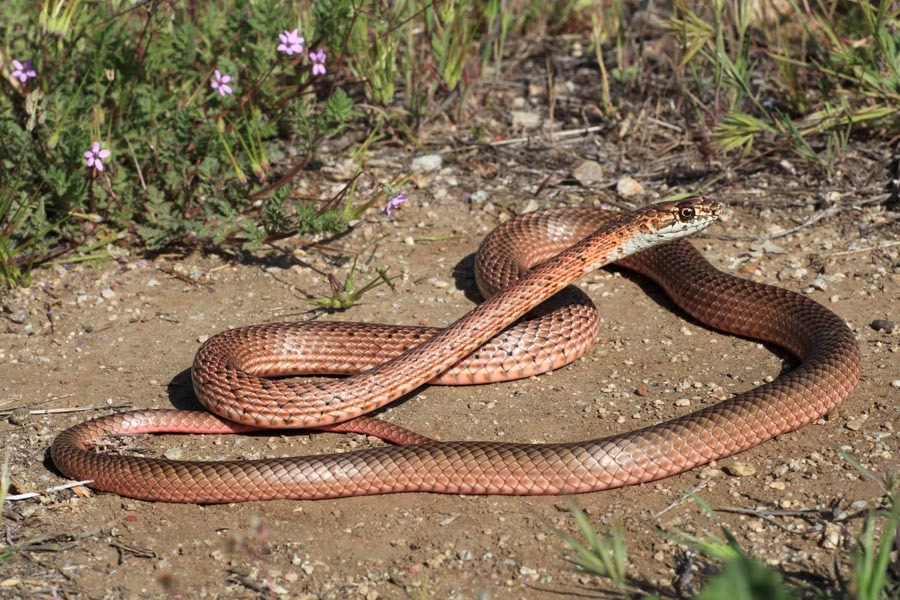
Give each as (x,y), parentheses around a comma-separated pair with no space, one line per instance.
(821,68)
(739,576)
(194,119)
(151,118)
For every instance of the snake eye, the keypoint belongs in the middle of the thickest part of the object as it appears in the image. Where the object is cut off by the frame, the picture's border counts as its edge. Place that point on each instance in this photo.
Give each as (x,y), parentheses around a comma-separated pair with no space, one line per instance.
(687,213)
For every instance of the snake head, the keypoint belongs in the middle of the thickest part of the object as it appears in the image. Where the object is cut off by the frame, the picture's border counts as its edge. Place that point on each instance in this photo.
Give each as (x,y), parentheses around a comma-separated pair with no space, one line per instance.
(678,218)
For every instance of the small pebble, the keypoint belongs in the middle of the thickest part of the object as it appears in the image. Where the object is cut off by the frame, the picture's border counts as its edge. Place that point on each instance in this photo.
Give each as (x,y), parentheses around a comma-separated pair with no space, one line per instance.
(788,167)
(525,119)
(588,172)
(641,390)
(174,453)
(859,505)
(895,383)
(767,246)
(427,162)
(478,196)
(740,469)
(882,325)
(855,424)
(710,473)
(627,187)
(831,538)
(19,417)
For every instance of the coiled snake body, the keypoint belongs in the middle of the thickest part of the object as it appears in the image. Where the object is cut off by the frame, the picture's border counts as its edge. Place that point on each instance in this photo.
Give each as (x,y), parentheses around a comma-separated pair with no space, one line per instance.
(232,369)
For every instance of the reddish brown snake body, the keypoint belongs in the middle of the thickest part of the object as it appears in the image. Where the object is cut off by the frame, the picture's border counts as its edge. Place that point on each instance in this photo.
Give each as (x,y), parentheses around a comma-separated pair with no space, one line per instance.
(228,368)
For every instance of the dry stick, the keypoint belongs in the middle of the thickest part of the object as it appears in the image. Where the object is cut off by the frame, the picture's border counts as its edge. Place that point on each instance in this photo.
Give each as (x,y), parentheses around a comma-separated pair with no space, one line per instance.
(57,411)
(762,515)
(553,136)
(50,490)
(182,277)
(703,483)
(772,512)
(248,583)
(38,543)
(134,550)
(870,248)
(35,403)
(830,212)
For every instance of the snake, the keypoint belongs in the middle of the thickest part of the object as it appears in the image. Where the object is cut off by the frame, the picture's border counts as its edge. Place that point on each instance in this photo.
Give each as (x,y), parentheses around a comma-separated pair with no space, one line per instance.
(532,321)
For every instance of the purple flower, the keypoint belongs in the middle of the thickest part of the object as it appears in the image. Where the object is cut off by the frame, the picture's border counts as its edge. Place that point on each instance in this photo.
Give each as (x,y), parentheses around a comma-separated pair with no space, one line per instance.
(291,42)
(220,83)
(23,72)
(95,156)
(318,59)
(395,202)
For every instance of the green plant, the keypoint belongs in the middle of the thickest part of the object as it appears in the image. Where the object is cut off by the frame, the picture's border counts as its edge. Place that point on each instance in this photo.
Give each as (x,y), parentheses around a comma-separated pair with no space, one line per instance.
(343,296)
(452,35)
(193,106)
(604,556)
(743,577)
(17,254)
(182,107)
(833,82)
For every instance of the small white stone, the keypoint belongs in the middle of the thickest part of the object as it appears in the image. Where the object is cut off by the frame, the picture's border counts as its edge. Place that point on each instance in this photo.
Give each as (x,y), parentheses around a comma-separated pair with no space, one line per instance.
(427,162)
(832,537)
(478,196)
(740,469)
(628,186)
(525,119)
(855,424)
(173,453)
(588,172)
(770,247)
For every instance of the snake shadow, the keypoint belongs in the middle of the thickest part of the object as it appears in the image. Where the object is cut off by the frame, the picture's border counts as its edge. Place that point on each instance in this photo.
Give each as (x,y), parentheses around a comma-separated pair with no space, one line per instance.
(464,276)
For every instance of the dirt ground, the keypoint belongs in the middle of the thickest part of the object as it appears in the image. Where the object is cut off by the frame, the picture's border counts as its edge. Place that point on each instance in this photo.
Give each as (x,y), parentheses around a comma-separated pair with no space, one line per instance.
(100,336)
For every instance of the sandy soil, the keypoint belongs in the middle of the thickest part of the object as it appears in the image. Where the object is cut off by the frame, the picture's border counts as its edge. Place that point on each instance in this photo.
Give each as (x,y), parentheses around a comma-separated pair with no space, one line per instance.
(124,332)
